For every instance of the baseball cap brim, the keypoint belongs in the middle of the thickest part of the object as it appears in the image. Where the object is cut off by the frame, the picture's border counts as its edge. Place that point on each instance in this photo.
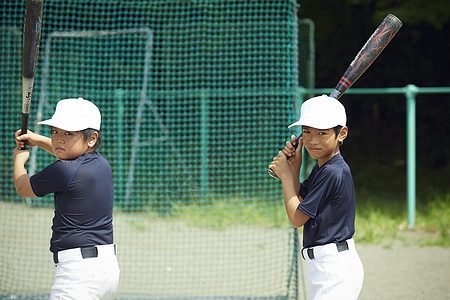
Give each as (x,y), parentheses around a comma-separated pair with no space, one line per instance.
(318,124)
(65,125)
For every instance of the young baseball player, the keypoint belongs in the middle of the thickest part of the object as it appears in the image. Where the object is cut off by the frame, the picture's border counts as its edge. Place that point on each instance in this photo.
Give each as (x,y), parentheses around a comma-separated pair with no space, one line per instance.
(324,204)
(81,181)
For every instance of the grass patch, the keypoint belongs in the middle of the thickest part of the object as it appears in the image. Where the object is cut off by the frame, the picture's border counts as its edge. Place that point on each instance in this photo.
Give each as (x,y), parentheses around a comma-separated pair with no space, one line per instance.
(221,214)
(434,218)
(378,218)
(381,219)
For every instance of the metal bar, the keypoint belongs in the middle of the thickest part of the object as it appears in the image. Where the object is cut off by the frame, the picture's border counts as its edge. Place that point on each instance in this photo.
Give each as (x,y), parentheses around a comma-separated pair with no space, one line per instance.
(411,153)
(388,90)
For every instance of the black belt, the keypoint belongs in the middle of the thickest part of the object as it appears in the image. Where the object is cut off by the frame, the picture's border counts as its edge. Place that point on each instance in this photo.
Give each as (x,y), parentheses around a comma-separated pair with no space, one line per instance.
(342,246)
(86,252)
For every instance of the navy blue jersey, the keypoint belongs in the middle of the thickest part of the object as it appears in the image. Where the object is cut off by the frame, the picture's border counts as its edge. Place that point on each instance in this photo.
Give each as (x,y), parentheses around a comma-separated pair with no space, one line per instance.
(329,200)
(83,196)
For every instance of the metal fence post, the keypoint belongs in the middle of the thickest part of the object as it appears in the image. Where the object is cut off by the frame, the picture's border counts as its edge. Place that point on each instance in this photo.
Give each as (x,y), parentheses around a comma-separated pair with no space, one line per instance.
(410,92)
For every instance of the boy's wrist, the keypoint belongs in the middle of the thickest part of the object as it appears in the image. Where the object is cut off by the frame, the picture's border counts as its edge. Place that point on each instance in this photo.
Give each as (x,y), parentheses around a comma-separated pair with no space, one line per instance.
(19,163)
(295,165)
(286,176)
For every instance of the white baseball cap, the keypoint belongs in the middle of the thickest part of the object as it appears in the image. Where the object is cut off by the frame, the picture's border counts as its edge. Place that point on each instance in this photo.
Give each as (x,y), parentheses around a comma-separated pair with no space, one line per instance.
(75,115)
(322,112)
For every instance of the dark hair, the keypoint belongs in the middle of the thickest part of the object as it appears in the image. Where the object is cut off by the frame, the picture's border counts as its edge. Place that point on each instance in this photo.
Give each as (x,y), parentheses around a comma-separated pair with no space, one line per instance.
(337,129)
(87,134)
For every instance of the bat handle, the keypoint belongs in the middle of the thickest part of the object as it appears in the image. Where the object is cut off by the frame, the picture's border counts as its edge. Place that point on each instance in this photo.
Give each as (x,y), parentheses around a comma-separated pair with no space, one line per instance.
(295,144)
(24,127)
(335,94)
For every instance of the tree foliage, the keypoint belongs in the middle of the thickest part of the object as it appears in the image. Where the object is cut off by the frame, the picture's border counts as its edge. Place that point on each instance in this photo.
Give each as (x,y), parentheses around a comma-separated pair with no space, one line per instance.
(415,12)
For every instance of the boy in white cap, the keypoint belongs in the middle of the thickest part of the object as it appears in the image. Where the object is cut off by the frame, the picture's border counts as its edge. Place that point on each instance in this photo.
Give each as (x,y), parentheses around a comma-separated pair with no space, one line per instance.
(324,204)
(81,181)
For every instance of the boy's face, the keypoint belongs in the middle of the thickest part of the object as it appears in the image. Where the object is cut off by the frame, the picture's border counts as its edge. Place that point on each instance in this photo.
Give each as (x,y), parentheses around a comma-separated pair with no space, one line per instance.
(322,144)
(68,145)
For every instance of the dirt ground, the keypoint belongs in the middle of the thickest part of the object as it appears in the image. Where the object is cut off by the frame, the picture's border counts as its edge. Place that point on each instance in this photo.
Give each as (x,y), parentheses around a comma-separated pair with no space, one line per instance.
(215,262)
(398,271)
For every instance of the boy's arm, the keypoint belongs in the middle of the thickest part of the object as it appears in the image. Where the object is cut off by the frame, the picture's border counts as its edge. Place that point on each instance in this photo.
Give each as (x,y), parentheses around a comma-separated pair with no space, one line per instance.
(295,159)
(295,170)
(32,139)
(291,186)
(291,201)
(289,173)
(20,175)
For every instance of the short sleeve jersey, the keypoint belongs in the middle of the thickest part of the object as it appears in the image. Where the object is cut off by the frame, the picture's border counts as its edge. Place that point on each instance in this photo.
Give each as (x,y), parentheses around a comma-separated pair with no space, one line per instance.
(329,200)
(83,198)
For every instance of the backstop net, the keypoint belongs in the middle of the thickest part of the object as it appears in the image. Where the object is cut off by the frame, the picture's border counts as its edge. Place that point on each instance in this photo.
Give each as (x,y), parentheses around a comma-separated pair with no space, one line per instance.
(195,98)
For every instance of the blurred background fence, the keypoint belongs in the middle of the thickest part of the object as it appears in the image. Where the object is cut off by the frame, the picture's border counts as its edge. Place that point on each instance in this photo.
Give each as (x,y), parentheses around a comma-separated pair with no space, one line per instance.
(195,99)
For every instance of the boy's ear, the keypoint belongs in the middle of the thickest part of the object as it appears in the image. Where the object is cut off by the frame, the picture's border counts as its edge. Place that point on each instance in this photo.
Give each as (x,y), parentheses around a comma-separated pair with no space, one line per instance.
(93,139)
(342,134)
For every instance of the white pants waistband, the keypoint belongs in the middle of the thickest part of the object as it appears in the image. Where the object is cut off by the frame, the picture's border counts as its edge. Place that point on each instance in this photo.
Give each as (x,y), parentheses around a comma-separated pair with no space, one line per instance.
(76,253)
(326,250)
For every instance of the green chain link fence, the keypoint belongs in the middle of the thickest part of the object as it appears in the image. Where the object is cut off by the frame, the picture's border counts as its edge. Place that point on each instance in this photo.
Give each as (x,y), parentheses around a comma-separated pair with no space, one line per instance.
(195,99)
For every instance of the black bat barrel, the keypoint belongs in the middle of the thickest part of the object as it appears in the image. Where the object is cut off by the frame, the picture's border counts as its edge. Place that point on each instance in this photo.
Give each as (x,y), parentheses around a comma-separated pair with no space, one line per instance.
(368,53)
(31,36)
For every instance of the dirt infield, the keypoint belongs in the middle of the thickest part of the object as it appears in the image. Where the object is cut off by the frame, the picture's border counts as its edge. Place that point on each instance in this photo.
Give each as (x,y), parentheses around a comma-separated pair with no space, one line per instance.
(398,271)
(394,270)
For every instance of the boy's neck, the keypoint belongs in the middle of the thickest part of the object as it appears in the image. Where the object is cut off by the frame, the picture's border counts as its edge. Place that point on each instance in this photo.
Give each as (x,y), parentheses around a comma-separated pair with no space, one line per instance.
(323,163)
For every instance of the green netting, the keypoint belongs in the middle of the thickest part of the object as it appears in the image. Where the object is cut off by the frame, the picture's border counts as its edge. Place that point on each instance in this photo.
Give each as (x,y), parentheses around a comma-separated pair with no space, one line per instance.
(195,98)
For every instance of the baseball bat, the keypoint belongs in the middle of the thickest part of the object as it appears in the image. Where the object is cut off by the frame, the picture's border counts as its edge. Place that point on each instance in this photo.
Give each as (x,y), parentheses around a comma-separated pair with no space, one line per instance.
(368,53)
(30,49)
(387,29)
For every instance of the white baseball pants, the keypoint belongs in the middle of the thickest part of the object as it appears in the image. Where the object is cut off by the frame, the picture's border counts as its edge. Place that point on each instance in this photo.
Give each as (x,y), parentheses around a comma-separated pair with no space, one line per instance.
(333,274)
(86,278)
